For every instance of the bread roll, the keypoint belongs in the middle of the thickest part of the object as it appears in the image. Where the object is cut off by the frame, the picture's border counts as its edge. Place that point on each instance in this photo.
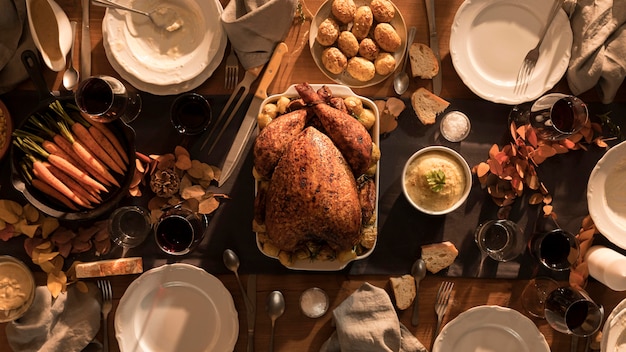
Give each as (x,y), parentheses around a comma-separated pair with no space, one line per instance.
(361,69)
(383,10)
(404,291)
(386,37)
(439,256)
(343,10)
(328,32)
(424,63)
(363,20)
(334,60)
(427,105)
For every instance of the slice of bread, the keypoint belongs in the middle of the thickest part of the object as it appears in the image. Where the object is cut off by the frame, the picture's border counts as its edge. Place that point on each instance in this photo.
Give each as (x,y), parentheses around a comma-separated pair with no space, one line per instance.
(439,256)
(403,290)
(424,63)
(427,105)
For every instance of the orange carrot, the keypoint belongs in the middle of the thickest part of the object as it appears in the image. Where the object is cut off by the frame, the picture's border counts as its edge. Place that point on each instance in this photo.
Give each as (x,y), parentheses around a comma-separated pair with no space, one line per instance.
(104,142)
(77,174)
(47,189)
(84,154)
(112,138)
(74,186)
(41,171)
(65,145)
(87,140)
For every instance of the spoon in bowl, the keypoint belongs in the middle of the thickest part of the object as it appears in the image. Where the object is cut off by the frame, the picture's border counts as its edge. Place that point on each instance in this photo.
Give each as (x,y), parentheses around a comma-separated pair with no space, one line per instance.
(275,307)
(162,17)
(70,76)
(401,80)
(418,271)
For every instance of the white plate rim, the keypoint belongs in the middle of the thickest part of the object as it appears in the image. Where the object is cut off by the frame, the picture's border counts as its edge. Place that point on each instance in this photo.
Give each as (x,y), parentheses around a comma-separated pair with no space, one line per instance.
(506,318)
(344,78)
(215,55)
(596,201)
(202,280)
(617,312)
(560,33)
(327,265)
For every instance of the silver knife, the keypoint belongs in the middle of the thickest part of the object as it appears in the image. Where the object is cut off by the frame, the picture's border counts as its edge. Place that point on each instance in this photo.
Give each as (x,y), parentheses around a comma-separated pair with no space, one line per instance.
(251,312)
(434,42)
(249,121)
(85,43)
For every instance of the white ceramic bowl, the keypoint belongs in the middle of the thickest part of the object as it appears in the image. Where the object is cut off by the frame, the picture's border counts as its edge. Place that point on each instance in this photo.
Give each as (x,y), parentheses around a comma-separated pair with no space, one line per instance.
(455,157)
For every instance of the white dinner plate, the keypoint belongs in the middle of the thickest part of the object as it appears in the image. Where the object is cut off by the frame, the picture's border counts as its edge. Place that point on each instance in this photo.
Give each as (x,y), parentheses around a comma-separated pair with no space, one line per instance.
(614,331)
(490,39)
(490,329)
(606,191)
(164,63)
(176,307)
(330,265)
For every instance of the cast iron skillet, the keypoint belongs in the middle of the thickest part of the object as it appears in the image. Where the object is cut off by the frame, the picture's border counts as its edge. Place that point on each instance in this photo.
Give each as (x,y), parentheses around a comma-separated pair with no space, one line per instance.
(44,203)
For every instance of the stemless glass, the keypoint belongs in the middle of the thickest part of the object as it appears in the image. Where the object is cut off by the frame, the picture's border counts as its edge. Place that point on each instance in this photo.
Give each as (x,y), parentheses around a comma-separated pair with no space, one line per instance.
(180,230)
(535,294)
(502,240)
(129,226)
(572,311)
(105,98)
(556,250)
(554,116)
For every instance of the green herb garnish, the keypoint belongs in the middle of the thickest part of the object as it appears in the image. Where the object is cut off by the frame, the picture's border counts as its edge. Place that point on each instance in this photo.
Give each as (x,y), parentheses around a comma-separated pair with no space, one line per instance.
(436,180)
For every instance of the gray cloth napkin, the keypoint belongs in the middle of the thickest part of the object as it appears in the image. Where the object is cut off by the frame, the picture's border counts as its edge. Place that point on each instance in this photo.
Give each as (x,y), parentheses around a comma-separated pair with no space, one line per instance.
(367,321)
(67,323)
(14,39)
(599,47)
(254,27)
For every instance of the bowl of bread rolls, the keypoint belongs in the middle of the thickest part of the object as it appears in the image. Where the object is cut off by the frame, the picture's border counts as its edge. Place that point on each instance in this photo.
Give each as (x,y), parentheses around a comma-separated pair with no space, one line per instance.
(358,43)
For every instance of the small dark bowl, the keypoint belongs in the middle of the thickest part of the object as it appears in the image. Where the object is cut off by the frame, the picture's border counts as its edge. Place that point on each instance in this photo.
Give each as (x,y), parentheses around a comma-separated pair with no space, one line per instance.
(51,207)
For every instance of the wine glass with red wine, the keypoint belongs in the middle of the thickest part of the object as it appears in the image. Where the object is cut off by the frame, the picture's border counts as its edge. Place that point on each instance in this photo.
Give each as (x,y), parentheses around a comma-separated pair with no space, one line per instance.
(556,250)
(105,98)
(554,116)
(571,311)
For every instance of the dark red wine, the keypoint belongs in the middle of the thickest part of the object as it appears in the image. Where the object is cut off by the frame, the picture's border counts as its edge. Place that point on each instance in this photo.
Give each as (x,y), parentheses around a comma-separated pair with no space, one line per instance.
(563,115)
(191,114)
(174,234)
(96,98)
(576,314)
(555,249)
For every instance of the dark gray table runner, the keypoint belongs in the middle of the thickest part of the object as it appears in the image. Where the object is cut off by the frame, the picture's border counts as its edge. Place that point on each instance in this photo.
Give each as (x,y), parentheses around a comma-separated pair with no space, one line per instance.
(402,229)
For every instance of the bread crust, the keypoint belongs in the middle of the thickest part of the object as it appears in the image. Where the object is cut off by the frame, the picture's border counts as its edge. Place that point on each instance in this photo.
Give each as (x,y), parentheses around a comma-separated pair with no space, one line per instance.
(404,290)
(427,105)
(439,256)
(424,63)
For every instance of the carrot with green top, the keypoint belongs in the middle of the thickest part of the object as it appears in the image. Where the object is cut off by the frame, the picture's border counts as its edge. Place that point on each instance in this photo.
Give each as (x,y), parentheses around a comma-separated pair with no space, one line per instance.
(74,186)
(46,188)
(41,172)
(112,138)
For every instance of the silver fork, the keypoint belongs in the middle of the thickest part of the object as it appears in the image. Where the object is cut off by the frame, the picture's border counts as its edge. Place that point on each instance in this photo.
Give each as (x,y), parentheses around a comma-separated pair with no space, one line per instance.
(232,70)
(441,304)
(107,304)
(530,61)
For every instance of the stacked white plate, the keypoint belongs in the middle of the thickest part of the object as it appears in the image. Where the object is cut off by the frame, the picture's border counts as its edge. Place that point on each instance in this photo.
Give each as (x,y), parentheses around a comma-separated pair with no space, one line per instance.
(614,331)
(161,62)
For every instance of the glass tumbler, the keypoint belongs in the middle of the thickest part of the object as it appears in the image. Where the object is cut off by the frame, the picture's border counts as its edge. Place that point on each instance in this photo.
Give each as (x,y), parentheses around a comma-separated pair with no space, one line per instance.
(556,250)
(105,99)
(501,240)
(129,226)
(180,230)
(572,311)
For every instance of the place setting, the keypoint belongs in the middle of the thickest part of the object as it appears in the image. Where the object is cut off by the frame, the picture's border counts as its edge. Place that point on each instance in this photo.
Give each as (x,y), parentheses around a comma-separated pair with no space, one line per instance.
(360,175)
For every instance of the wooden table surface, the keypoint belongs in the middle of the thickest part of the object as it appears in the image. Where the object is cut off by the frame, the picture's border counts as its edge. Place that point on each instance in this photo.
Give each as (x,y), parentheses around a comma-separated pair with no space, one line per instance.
(294,331)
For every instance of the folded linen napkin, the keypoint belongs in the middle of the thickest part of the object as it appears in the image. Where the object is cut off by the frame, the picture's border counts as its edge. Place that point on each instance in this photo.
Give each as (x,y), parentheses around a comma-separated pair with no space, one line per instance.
(254,27)
(14,38)
(367,321)
(67,323)
(599,47)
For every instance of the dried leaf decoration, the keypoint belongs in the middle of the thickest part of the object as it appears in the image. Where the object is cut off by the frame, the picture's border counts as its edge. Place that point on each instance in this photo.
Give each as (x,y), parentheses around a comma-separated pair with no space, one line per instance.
(509,171)
(389,111)
(580,272)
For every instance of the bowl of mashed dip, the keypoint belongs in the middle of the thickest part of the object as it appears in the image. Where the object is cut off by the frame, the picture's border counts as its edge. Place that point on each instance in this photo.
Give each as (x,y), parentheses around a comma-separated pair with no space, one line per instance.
(17,288)
(436,180)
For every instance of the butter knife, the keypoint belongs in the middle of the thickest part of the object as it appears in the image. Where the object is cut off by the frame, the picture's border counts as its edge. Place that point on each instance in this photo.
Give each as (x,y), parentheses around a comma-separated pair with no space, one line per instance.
(85,43)
(250,120)
(434,42)
(251,311)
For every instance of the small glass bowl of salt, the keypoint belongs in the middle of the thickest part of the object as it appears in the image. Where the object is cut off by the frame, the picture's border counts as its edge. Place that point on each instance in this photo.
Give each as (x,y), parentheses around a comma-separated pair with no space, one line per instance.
(314,302)
(455,126)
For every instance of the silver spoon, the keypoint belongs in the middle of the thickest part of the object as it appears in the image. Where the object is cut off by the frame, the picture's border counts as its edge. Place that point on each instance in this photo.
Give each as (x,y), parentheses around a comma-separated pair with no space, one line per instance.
(231,261)
(162,17)
(70,76)
(418,270)
(275,307)
(401,80)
